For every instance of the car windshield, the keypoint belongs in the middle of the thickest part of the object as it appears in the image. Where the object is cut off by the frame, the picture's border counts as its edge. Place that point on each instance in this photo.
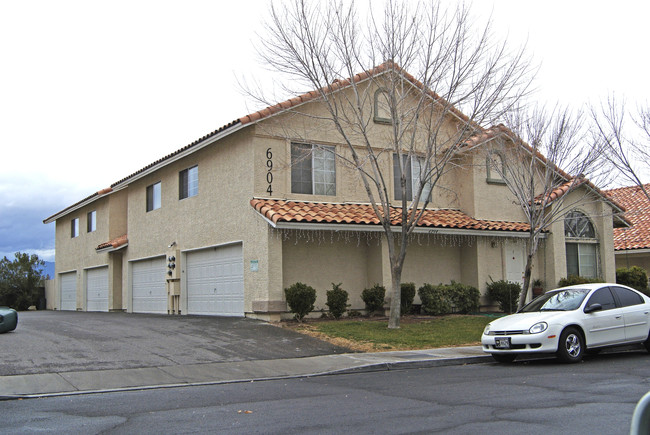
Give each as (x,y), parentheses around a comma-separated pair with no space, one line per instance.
(559,300)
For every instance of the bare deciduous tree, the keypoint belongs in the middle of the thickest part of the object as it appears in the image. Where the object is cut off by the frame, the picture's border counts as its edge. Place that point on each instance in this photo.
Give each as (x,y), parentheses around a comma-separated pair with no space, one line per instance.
(529,158)
(453,66)
(626,137)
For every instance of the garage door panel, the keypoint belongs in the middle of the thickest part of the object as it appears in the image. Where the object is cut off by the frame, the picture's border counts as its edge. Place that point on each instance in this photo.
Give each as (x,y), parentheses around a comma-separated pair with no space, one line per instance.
(68,291)
(149,286)
(215,281)
(97,289)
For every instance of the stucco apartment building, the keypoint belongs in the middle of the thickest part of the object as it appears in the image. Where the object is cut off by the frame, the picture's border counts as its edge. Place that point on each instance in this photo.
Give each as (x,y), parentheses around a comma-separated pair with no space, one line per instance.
(224,224)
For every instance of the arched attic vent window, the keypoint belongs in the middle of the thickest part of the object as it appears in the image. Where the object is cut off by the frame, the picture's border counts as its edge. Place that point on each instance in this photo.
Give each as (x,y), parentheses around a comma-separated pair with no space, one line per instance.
(495,166)
(382,107)
(581,245)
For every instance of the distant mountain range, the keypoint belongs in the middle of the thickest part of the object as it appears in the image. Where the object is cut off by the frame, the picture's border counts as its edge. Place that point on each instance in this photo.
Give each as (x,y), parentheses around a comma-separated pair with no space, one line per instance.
(48,269)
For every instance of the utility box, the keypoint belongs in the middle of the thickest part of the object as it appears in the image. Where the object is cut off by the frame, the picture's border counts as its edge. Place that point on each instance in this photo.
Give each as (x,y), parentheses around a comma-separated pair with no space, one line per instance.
(173,264)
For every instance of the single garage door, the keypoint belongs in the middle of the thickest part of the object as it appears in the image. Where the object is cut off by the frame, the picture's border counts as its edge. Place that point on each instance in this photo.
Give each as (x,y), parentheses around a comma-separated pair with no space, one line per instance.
(215,281)
(97,289)
(69,291)
(149,286)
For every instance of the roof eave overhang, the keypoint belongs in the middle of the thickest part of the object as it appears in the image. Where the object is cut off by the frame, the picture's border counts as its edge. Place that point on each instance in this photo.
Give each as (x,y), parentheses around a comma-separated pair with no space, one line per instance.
(315,226)
(111,248)
(76,207)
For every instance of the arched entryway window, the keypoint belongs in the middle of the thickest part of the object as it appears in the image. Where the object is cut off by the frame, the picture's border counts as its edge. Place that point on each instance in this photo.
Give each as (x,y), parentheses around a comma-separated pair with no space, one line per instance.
(581,245)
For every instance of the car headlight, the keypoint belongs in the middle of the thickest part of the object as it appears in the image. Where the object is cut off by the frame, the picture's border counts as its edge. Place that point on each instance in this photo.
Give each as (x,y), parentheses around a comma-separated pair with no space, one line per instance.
(538,327)
(486,331)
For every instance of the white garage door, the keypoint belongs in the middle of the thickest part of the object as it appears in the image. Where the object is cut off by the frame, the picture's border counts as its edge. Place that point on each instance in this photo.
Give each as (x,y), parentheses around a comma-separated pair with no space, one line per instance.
(68,291)
(149,286)
(215,281)
(97,289)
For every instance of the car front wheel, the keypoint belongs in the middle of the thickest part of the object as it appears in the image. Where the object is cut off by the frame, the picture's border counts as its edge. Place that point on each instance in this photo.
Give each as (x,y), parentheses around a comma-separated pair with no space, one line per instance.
(504,357)
(571,346)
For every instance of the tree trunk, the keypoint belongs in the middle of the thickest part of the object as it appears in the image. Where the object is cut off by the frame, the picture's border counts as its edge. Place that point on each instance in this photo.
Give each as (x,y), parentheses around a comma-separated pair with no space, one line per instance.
(396,296)
(527,274)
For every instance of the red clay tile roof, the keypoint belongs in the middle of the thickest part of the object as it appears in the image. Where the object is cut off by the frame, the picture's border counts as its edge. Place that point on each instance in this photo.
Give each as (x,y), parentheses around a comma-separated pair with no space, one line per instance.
(94,195)
(115,243)
(337,213)
(637,212)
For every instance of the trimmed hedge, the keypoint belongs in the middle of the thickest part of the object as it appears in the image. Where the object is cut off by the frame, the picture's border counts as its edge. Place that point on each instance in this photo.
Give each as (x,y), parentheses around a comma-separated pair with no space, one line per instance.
(447,298)
(575,279)
(634,277)
(300,298)
(337,300)
(407,295)
(505,293)
(373,297)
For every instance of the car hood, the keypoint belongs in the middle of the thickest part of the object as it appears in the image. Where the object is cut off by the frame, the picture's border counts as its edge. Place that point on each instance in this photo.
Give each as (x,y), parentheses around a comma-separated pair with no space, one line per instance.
(523,321)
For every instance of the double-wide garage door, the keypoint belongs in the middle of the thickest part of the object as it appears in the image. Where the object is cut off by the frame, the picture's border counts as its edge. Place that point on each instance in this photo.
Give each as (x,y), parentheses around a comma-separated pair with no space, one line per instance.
(215,281)
(149,286)
(97,289)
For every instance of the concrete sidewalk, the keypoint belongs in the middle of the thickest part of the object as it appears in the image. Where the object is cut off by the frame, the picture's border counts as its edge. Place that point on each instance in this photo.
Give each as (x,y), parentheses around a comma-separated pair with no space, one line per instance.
(78,382)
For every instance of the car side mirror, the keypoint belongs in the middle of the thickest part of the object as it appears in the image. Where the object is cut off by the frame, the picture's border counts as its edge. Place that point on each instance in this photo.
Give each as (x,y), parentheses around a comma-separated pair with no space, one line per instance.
(593,307)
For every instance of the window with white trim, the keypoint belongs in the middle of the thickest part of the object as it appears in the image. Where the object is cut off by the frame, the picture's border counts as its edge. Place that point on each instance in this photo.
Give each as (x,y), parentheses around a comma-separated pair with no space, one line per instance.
(74,228)
(581,245)
(414,169)
(313,169)
(92,221)
(153,196)
(188,182)
(495,166)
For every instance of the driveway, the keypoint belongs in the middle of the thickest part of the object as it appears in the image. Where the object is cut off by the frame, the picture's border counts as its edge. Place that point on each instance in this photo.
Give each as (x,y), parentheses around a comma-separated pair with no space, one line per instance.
(64,341)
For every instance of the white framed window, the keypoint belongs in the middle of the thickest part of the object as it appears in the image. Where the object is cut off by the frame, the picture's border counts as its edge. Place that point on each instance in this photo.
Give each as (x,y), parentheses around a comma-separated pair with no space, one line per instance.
(414,169)
(92,221)
(381,113)
(154,196)
(74,228)
(495,166)
(188,182)
(581,245)
(313,169)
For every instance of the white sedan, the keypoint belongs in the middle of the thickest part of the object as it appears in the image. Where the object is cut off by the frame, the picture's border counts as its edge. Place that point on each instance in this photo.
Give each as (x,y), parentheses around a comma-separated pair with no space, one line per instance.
(570,321)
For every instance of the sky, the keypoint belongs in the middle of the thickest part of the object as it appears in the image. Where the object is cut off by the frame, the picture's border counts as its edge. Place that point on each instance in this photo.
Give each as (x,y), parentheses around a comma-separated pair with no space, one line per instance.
(92,91)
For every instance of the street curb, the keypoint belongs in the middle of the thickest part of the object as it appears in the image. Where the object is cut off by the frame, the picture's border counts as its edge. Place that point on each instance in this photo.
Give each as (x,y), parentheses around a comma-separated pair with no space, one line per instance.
(366,368)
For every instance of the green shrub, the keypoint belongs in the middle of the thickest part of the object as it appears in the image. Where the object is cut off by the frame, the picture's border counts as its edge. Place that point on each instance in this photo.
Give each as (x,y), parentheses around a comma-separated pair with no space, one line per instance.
(464,298)
(575,279)
(407,295)
(337,300)
(373,297)
(505,293)
(634,277)
(435,299)
(300,298)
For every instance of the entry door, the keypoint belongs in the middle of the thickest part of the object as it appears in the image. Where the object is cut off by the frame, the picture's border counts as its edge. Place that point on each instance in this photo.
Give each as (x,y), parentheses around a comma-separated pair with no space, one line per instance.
(515,264)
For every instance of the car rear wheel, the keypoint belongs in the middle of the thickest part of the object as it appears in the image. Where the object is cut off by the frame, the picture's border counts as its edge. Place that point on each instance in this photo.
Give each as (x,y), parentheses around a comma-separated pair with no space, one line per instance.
(647,344)
(571,346)
(504,357)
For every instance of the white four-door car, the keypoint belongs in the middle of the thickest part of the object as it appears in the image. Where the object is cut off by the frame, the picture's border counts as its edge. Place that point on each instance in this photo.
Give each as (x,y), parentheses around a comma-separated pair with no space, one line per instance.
(570,321)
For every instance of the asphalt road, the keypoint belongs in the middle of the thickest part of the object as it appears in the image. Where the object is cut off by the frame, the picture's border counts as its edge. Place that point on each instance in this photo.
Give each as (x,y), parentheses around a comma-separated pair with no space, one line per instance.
(63,341)
(597,396)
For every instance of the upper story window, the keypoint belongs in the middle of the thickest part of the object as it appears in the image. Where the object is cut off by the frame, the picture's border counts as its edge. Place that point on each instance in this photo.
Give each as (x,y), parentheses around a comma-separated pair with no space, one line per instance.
(382,107)
(188,182)
(581,245)
(313,169)
(153,196)
(495,167)
(74,228)
(414,169)
(92,221)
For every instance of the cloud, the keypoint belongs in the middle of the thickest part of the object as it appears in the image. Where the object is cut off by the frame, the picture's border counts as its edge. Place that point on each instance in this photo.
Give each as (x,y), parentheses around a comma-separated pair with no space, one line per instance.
(25,202)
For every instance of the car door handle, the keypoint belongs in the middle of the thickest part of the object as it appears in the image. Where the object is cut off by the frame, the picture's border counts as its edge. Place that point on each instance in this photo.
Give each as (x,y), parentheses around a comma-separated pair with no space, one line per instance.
(618,317)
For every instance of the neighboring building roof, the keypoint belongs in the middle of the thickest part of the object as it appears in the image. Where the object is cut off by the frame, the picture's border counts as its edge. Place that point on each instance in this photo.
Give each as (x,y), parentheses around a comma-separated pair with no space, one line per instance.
(637,212)
(280,211)
(113,245)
